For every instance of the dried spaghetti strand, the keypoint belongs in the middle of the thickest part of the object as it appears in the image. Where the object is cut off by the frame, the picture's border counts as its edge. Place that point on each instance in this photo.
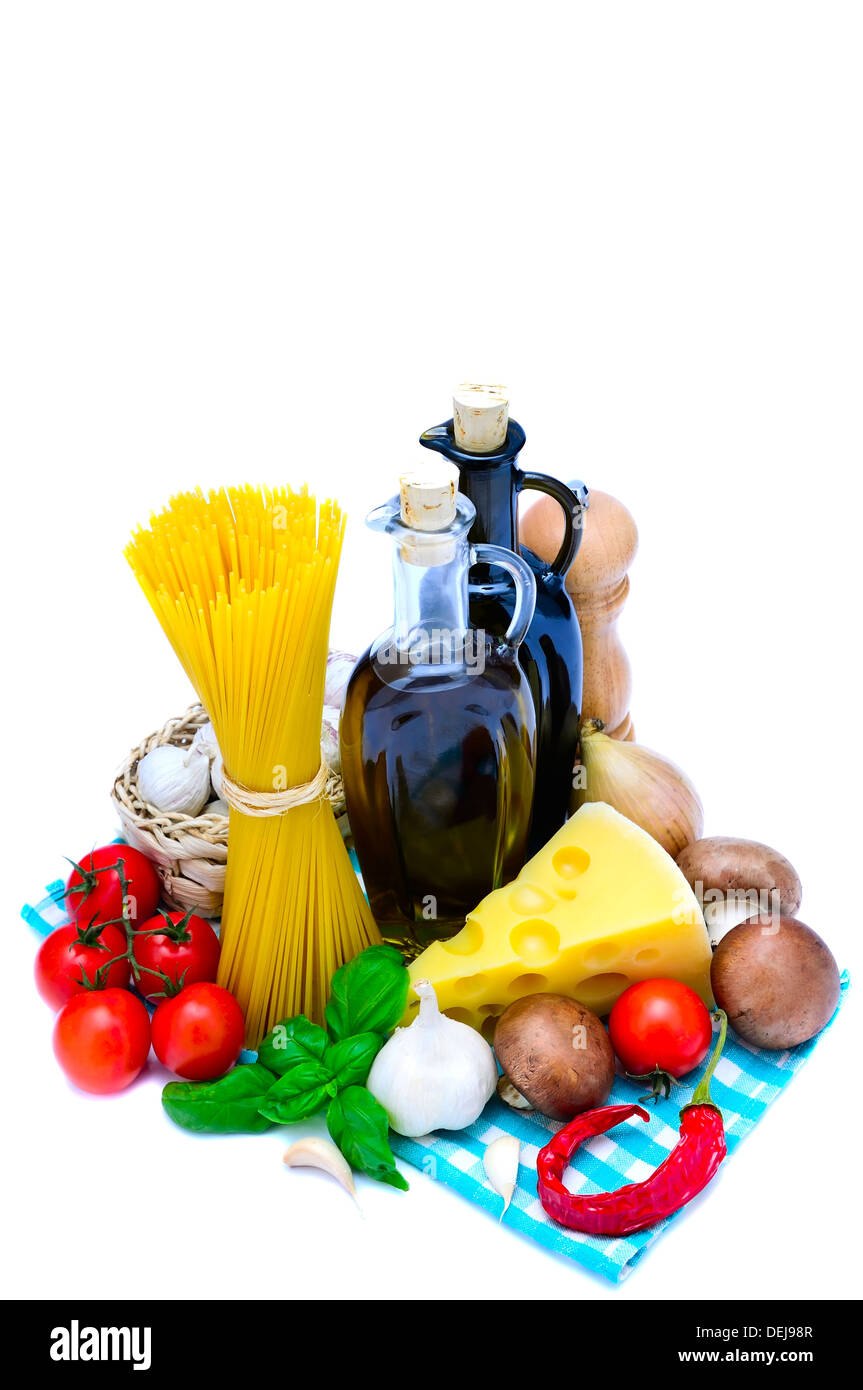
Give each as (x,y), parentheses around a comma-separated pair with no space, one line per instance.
(242,582)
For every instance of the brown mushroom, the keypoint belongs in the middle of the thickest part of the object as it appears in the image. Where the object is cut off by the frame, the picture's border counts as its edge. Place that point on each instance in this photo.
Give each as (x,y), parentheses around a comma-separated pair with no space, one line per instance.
(776,980)
(735,879)
(556,1055)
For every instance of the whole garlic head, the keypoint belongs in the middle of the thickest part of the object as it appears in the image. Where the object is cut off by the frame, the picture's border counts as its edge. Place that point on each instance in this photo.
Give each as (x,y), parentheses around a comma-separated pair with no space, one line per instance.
(174,780)
(330,739)
(339,668)
(216,776)
(435,1074)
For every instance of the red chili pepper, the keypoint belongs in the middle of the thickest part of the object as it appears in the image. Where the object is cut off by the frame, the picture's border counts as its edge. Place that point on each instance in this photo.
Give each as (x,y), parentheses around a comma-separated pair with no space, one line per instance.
(688,1168)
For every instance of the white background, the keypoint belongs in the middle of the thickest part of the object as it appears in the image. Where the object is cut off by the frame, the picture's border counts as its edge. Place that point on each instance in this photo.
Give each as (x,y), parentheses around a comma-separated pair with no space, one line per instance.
(262,242)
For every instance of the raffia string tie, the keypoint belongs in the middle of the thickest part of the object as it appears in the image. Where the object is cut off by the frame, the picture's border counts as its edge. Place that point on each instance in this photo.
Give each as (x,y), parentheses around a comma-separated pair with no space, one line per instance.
(277,803)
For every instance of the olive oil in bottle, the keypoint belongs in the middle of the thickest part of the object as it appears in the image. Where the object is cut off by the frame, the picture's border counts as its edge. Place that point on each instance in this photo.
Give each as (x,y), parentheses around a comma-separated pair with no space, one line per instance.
(438,736)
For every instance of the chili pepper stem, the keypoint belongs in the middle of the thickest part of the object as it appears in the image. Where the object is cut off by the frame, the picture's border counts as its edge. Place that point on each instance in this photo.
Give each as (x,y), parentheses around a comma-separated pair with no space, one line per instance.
(701,1094)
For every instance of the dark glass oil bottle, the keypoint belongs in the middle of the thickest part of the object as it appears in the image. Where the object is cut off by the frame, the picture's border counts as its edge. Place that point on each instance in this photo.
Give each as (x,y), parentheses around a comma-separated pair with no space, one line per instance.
(438,739)
(484,445)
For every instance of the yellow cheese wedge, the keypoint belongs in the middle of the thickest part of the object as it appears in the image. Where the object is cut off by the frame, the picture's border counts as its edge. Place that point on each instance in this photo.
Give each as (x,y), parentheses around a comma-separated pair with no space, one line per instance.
(600,906)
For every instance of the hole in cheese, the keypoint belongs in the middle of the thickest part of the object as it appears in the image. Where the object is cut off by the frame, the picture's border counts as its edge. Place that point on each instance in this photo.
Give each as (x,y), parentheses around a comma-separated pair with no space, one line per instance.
(528,899)
(600,956)
(527,984)
(467,941)
(470,985)
(535,942)
(599,992)
(487,1029)
(460,1015)
(571,861)
(491,1010)
(647,956)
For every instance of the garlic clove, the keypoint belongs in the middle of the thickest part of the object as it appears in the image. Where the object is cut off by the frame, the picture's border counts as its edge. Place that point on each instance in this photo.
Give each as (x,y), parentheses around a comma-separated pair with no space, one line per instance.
(322,1154)
(500,1162)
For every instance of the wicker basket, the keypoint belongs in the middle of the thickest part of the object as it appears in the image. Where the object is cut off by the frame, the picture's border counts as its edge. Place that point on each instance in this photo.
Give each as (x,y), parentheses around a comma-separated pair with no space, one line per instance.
(190,852)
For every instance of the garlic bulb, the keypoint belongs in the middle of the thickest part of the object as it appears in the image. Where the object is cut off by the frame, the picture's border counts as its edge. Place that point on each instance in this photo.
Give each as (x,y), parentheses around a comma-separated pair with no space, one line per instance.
(216,776)
(219,807)
(500,1162)
(205,741)
(648,789)
(435,1074)
(330,739)
(339,668)
(175,780)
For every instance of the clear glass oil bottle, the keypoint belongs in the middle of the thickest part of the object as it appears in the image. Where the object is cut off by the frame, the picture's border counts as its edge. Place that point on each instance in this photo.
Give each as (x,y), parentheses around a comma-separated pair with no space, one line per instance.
(438,734)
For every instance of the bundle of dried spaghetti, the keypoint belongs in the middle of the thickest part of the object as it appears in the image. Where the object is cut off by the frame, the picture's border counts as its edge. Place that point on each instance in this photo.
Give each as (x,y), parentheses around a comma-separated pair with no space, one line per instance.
(242,581)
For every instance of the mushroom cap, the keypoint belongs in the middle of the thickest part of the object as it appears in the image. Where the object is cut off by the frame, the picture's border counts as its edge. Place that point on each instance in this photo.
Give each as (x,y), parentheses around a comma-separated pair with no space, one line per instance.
(556,1053)
(731,865)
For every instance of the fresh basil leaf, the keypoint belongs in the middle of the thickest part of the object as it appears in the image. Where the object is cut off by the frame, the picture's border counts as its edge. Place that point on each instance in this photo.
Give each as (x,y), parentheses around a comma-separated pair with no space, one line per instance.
(227,1106)
(350,1060)
(368,995)
(291,1041)
(301,1092)
(359,1126)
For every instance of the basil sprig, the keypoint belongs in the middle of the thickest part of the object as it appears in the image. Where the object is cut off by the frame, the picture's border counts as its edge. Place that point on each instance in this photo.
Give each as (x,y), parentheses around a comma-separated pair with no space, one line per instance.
(227,1106)
(295,1040)
(302,1069)
(368,994)
(359,1126)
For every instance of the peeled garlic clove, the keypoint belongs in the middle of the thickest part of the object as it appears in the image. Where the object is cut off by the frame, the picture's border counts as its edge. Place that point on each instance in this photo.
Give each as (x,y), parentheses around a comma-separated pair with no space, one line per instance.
(648,789)
(500,1162)
(321,1153)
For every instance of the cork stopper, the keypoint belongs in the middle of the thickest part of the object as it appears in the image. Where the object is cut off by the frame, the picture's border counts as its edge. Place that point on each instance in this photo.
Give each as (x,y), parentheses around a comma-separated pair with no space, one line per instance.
(428,495)
(480,415)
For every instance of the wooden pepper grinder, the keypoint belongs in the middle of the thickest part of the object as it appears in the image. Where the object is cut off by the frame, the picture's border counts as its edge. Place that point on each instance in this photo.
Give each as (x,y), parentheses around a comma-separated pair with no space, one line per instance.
(598,584)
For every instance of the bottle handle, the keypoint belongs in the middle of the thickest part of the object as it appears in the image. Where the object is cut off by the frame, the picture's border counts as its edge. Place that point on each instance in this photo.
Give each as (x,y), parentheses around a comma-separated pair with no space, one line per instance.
(573,500)
(525,588)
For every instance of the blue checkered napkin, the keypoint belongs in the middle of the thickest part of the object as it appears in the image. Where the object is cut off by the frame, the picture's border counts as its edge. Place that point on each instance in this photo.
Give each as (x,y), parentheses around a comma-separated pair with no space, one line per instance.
(745,1083)
(50,912)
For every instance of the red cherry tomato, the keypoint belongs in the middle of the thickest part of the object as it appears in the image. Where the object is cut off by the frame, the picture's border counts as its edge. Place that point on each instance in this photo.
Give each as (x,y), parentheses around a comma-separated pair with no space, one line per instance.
(199,1033)
(660,1025)
(180,945)
(101,1039)
(94,892)
(71,952)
